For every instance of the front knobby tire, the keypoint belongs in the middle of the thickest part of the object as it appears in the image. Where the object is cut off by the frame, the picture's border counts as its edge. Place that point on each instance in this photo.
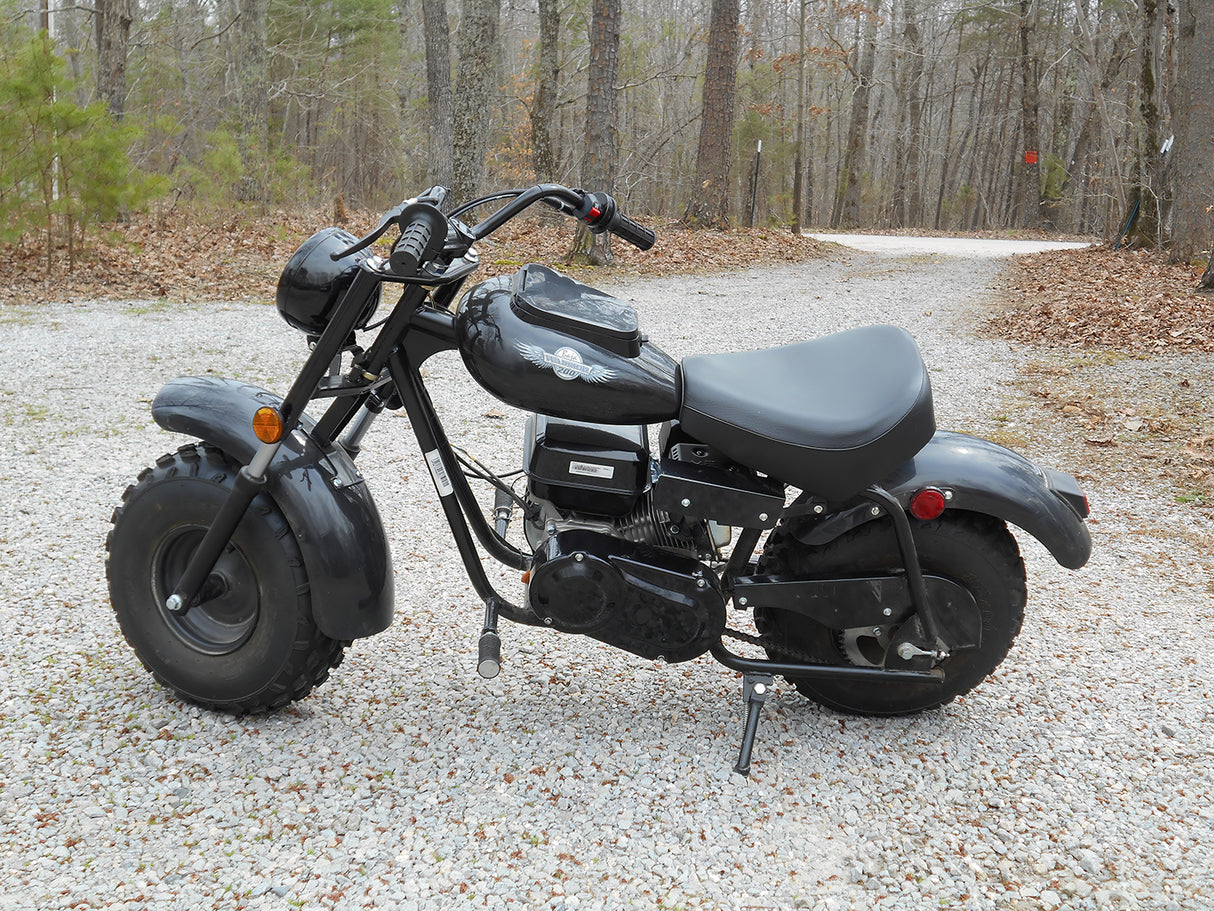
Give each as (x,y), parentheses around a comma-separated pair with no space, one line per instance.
(250,644)
(975,551)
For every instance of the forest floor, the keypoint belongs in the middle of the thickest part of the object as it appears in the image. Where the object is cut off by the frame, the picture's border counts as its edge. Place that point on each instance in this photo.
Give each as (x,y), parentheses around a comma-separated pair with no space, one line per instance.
(1116,352)
(1116,341)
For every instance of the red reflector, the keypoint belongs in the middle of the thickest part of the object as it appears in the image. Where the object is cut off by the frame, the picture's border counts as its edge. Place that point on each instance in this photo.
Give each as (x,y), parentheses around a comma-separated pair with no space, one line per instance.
(927,504)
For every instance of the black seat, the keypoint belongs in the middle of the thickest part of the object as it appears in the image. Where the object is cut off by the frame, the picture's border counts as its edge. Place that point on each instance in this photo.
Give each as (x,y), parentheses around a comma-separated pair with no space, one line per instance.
(830,416)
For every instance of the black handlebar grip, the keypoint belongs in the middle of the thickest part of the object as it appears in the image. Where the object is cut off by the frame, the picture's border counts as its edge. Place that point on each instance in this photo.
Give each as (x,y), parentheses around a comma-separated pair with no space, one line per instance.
(410,251)
(625,228)
(601,212)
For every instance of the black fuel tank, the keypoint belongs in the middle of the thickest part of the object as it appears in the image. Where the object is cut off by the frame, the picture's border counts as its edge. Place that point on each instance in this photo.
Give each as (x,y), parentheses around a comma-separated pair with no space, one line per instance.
(545,343)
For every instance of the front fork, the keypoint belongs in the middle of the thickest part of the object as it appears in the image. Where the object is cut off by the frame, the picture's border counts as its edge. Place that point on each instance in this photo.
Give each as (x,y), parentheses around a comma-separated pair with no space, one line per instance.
(253,478)
(250,481)
(468,525)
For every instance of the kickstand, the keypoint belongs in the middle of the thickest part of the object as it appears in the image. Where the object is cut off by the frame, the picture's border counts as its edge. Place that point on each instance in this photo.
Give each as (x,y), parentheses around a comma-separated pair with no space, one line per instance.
(755,688)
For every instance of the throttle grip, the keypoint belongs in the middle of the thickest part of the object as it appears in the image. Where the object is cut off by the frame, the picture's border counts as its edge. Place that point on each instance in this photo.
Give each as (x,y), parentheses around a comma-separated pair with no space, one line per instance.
(410,250)
(625,228)
(601,213)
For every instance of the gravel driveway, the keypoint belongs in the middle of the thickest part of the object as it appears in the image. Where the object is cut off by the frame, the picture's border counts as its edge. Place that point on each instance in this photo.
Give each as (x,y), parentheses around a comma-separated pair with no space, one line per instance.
(1079,776)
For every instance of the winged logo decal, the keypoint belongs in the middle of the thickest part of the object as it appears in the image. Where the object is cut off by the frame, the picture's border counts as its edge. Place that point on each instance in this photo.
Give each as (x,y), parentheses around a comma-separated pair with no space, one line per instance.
(565,363)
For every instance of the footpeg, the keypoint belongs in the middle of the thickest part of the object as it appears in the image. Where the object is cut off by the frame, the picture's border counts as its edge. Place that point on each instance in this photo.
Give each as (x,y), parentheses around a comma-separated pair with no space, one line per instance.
(489,648)
(489,662)
(755,690)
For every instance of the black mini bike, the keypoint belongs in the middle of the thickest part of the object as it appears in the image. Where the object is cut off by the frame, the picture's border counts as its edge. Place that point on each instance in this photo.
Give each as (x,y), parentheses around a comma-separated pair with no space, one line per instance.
(241,565)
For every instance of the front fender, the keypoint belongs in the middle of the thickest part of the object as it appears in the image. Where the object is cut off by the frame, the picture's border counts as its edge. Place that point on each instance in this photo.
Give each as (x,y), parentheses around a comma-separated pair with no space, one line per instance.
(981,476)
(321,494)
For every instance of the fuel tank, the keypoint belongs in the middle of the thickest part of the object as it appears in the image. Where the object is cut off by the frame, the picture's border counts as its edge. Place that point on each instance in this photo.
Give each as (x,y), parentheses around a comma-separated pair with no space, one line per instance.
(542,342)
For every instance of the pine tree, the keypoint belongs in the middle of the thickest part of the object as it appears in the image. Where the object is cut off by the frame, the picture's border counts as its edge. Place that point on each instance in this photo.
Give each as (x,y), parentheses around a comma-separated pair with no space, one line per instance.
(62,166)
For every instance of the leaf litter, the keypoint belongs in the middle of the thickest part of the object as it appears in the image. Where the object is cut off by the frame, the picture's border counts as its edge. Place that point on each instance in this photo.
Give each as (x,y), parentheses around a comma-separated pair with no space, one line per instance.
(1118,347)
(216,258)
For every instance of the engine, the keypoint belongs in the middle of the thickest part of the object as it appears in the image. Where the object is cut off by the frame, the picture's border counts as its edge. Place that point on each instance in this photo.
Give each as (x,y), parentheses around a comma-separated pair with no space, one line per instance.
(651,602)
(608,564)
(596,477)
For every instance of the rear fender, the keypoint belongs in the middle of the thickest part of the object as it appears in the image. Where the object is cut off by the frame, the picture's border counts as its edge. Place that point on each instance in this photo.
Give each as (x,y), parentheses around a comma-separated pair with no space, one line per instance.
(980,476)
(321,494)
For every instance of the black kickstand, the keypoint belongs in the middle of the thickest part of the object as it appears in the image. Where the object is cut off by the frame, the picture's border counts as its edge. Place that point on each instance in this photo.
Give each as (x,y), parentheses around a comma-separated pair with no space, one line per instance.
(755,689)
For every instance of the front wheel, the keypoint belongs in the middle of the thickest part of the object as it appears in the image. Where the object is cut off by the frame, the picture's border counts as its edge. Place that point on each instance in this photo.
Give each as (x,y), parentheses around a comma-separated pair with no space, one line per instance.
(975,551)
(249,643)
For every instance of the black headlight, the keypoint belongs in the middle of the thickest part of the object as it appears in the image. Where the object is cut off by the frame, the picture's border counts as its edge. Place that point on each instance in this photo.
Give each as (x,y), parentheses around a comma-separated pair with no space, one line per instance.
(312,283)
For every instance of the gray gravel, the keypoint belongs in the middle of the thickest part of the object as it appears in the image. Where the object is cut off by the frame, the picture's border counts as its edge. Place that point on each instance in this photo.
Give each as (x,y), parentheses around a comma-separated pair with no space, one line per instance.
(1078,776)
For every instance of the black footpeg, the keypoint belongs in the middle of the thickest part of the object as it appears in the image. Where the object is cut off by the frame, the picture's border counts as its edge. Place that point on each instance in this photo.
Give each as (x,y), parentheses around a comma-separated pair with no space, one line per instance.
(489,661)
(489,648)
(755,690)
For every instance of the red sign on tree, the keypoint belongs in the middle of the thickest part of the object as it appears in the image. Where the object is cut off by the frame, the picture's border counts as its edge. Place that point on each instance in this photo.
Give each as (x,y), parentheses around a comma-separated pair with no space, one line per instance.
(1030,157)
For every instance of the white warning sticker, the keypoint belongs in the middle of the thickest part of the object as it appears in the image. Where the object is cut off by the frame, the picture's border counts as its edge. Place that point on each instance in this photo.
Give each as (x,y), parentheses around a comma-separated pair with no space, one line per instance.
(438,471)
(592,470)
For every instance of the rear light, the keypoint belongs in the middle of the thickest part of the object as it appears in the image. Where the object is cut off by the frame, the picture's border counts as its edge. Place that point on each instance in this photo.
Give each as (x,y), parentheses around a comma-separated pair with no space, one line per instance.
(927,503)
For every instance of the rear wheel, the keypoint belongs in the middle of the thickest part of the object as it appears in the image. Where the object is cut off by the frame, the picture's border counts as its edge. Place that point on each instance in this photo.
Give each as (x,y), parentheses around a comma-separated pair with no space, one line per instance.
(249,643)
(970,549)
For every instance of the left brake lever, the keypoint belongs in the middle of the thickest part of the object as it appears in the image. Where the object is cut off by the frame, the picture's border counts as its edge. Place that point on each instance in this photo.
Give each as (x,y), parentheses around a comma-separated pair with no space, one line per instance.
(391,217)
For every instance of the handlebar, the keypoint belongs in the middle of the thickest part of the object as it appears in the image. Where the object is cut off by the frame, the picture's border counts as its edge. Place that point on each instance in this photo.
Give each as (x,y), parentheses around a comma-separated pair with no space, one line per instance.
(426,231)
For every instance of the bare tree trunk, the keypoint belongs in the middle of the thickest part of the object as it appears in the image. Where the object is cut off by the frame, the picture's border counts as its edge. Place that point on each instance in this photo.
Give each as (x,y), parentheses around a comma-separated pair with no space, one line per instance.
(440,135)
(914,151)
(1088,50)
(543,106)
(252,87)
(798,179)
(1030,214)
(602,118)
(112,20)
(857,132)
(946,164)
(709,203)
(1146,230)
(905,142)
(1075,191)
(474,86)
(1193,167)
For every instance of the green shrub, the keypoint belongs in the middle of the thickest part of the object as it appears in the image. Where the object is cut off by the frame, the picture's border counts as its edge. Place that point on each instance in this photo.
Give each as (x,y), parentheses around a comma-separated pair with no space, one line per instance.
(62,166)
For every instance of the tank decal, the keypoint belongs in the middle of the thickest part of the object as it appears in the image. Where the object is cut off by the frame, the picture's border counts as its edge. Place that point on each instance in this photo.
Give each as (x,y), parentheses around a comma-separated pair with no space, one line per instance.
(565,363)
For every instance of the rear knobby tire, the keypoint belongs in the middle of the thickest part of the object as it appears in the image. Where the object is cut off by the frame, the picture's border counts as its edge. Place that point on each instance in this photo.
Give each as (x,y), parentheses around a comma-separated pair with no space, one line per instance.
(973,550)
(251,644)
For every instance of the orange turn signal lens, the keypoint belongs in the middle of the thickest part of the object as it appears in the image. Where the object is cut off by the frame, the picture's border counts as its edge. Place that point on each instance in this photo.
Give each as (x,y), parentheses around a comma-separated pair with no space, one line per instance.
(267,425)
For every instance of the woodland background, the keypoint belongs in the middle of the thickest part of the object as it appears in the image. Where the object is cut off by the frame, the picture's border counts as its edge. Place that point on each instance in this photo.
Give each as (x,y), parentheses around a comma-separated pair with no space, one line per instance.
(951,115)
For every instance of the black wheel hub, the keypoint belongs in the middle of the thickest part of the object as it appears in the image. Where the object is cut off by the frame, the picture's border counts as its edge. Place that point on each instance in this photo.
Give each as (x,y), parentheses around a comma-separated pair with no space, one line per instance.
(225,613)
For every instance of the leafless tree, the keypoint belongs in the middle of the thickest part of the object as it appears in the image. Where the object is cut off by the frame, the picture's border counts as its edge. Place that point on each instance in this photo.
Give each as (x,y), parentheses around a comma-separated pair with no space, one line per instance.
(1193,104)
(112,21)
(439,130)
(709,203)
(474,91)
(602,117)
